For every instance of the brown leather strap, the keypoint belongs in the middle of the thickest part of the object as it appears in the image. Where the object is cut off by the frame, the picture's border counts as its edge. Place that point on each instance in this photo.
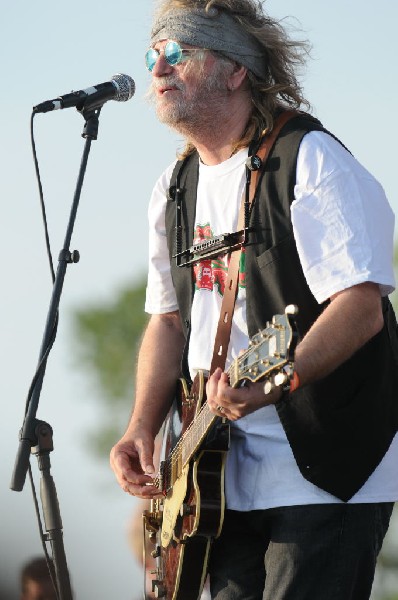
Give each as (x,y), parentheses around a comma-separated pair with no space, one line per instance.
(223,333)
(267,144)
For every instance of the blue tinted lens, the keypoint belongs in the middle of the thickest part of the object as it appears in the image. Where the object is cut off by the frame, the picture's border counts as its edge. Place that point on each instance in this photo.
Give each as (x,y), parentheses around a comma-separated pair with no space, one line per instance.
(150,58)
(173,53)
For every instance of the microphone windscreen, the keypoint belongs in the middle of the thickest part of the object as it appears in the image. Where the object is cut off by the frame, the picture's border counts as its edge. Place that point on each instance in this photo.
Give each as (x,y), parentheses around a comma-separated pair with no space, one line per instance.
(125,87)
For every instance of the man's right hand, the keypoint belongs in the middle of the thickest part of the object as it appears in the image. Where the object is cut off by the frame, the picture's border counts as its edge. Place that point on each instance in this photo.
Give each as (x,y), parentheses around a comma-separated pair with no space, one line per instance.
(132,462)
(158,368)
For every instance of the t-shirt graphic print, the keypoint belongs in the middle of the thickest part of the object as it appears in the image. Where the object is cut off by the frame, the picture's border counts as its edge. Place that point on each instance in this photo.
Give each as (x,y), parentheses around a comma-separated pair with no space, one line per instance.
(210,274)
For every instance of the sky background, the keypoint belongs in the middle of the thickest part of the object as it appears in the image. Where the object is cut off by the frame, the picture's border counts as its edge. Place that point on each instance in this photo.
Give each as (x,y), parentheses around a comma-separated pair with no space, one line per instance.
(49,49)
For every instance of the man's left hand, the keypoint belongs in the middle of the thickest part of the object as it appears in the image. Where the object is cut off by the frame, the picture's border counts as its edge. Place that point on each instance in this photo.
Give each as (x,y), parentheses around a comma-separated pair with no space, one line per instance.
(235,403)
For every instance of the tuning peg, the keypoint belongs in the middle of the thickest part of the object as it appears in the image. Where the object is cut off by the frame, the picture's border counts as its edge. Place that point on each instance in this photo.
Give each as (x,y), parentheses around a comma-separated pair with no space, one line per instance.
(291,309)
(280,379)
(268,387)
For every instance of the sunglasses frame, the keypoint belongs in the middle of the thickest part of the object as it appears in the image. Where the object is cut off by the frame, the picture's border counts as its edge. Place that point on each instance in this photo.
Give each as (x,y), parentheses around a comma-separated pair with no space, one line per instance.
(182,54)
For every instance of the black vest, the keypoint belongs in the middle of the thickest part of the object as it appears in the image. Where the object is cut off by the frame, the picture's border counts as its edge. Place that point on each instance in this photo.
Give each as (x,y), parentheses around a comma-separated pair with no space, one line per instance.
(340,427)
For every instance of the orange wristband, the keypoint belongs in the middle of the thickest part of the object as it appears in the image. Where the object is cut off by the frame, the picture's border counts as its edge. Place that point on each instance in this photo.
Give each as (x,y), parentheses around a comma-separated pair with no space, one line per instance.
(294,382)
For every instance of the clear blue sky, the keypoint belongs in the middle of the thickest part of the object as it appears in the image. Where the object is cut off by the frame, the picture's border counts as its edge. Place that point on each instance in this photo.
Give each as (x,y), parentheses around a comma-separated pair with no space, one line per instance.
(49,49)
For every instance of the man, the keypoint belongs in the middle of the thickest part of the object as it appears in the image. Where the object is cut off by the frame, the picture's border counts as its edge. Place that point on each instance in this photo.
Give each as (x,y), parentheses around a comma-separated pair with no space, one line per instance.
(311,473)
(36,583)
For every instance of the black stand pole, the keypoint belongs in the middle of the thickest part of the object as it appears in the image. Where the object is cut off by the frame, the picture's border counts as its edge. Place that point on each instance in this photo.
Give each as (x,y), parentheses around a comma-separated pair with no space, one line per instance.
(36,436)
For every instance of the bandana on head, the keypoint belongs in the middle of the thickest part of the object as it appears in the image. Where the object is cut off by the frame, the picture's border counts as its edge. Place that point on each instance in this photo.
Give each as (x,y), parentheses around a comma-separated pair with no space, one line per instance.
(214,30)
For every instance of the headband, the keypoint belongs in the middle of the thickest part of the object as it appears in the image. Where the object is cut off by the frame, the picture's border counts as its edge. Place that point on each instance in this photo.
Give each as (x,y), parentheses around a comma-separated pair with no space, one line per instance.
(214,30)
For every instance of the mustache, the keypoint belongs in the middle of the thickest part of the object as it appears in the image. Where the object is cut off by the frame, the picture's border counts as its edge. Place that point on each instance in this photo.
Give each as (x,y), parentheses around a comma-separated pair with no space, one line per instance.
(167,80)
(161,82)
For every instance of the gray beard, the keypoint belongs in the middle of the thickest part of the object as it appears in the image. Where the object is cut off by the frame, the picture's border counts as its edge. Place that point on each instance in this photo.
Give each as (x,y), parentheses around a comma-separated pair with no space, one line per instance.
(199,113)
(179,112)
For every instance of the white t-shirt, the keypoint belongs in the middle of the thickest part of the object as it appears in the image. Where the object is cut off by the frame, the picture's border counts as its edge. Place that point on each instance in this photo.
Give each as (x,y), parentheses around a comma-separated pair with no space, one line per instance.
(343,226)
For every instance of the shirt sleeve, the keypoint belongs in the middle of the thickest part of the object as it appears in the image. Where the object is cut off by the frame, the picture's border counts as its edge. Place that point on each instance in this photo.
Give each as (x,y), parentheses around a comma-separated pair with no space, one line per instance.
(342,221)
(160,292)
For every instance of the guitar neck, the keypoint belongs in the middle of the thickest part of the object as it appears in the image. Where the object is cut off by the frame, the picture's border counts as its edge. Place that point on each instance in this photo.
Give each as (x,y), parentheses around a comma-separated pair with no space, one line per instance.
(195,433)
(192,438)
(185,448)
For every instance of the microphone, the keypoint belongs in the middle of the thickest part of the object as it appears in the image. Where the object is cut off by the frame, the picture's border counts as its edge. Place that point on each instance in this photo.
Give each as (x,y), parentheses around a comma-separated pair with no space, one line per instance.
(120,88)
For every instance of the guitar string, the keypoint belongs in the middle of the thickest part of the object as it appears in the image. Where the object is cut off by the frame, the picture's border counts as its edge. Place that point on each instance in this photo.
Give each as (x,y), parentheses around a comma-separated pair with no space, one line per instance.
(176,453)
(197,423)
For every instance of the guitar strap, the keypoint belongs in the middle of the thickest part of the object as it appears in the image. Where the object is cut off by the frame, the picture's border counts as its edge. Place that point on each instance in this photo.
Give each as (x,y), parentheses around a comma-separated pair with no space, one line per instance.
(223,332)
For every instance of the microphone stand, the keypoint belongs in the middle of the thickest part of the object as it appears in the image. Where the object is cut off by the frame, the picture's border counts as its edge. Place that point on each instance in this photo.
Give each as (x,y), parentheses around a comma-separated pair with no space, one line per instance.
(36,436)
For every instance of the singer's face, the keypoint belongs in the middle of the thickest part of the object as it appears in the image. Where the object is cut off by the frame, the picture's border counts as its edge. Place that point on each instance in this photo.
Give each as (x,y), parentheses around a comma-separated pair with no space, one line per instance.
(186,92)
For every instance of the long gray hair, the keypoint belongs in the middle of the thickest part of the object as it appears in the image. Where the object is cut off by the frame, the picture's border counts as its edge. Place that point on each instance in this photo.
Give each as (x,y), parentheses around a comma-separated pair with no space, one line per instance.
(280,87)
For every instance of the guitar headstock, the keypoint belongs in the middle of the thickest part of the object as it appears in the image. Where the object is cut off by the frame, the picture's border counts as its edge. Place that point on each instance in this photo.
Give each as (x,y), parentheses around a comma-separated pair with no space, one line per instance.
(271,351)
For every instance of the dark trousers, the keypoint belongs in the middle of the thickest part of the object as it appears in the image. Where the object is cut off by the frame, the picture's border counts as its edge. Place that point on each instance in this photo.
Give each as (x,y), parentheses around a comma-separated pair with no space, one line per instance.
(315,552)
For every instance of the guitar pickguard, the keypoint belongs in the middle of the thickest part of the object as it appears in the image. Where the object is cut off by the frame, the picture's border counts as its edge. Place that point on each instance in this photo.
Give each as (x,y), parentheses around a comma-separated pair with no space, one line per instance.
(171,507)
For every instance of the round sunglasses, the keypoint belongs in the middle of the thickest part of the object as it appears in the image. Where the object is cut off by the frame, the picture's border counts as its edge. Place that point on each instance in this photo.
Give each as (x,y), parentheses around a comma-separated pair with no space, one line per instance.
(173,54)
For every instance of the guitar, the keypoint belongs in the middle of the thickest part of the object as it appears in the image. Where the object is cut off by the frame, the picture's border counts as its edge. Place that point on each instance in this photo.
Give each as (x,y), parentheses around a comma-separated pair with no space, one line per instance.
(183,524)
